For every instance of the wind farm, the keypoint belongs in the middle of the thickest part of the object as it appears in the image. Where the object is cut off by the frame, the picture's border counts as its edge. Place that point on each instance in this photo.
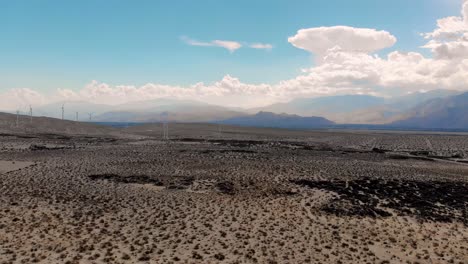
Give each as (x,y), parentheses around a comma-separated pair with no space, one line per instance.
(232,132)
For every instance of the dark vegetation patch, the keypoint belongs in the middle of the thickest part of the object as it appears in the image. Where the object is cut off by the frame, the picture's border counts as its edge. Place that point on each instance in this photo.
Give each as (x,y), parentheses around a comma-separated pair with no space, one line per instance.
(226,187)
(238,143)
(16,135)
(138,179)
(431,200)
(379,150)
(208,151)
(435,155)
(283,191)
(227,142)
(179,182)
(55,136)
(189,140)
(91,139)
(318,147)
(397,156)
(420,153)
(37,147)
(277,144)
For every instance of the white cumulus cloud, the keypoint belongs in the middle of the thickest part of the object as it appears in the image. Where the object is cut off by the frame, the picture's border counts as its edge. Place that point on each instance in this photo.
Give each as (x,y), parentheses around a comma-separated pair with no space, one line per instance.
(319,40)
(450,39)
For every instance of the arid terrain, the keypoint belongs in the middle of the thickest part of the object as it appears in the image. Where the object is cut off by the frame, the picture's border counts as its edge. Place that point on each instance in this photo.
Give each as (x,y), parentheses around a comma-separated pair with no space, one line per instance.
(222,194)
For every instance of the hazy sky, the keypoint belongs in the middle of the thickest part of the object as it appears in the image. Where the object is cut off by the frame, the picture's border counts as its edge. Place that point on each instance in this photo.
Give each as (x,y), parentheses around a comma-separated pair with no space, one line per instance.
(238,53)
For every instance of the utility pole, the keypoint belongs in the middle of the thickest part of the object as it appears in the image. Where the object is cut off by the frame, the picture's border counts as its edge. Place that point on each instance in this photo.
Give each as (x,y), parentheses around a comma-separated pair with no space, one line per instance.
(30,113)
(165,125)
(165,130)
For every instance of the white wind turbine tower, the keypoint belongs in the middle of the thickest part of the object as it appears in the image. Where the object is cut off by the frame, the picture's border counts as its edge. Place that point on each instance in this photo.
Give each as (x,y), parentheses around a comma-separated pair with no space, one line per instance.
(76,116)
(63,111)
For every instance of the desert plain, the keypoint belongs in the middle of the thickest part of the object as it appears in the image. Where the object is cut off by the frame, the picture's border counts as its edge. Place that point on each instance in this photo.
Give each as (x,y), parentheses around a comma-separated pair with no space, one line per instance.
(222,194)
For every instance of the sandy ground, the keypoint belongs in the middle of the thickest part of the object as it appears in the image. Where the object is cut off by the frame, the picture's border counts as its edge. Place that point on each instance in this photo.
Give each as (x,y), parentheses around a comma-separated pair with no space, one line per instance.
(7,166)
(266,196)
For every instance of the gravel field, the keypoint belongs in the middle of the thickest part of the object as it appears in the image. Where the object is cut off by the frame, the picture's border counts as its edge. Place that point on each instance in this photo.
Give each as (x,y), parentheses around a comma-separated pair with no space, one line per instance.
(233,195)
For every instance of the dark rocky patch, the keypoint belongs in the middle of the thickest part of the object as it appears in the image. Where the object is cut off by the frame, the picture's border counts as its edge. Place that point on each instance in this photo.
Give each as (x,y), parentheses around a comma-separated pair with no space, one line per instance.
(189,140)
(90,139)
(431,200)
(378,150)
(239,143)
(55,136)
(138,179)
(17,136)
(396,156)
(305,146)
(179,182)
(208,151)
(226,187)
(420,153)
(36,147)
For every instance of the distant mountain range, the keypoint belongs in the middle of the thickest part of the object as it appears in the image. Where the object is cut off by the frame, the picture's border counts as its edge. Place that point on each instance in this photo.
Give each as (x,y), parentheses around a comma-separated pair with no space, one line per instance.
(145,111)
(267,119)
(329,104)
(435,109)
(355,109)
(447,113)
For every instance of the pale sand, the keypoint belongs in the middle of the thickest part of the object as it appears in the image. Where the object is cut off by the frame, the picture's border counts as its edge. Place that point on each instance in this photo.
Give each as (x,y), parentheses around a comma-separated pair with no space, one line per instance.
(7,166)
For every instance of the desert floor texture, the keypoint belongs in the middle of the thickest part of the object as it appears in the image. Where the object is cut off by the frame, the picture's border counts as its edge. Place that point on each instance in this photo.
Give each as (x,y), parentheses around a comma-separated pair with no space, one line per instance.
(233,195)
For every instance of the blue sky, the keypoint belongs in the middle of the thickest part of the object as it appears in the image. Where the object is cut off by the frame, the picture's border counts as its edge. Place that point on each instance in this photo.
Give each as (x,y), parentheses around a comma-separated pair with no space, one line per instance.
(46,45)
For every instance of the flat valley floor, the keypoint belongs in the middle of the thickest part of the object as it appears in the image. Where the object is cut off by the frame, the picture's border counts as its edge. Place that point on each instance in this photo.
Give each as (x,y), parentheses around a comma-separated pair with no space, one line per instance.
(233,195)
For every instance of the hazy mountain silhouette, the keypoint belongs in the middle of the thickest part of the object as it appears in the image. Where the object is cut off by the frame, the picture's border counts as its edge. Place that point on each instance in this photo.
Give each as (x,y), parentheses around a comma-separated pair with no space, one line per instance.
(143,111)
(417,109)
(268,119)
(446,113)
(355,109)
(177,111)
(71,107)
(329,104)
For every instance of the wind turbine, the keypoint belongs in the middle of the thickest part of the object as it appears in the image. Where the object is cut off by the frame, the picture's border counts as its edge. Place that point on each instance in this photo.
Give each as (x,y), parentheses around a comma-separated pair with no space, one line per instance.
(90,116)
(63,111)
(76,117)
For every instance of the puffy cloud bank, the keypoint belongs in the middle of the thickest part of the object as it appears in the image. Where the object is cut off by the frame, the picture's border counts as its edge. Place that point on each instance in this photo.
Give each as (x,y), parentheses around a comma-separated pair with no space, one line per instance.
(346,63)
(320,41)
